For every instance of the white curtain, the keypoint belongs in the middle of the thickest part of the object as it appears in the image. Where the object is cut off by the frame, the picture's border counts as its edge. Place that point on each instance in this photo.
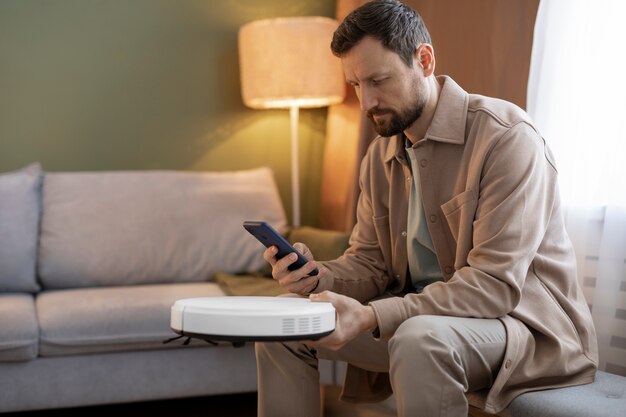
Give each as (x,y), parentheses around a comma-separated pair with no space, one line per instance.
(577,97)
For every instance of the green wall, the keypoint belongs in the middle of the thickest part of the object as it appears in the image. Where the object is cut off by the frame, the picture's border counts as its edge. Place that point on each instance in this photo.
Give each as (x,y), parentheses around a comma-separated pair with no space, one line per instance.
(145,84)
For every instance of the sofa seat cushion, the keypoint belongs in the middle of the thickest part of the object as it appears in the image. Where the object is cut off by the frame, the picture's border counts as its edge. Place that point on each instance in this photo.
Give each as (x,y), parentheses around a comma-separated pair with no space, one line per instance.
(19,332)
(109,319)
(606,397)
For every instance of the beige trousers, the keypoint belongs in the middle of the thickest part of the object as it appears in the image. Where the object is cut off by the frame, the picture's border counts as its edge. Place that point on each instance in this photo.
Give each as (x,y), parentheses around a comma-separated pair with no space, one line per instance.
(432,361)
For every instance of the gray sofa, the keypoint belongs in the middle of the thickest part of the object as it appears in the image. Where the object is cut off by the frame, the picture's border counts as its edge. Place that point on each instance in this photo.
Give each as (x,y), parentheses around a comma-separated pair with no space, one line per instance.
(90,264)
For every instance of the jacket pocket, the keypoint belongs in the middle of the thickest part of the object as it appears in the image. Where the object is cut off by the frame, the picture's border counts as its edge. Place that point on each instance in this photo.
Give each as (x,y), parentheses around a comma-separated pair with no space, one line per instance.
(460,212)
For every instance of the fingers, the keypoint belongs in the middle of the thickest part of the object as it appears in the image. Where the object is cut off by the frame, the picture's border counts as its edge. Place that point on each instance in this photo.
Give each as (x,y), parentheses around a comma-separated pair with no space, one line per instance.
(297,281)
(327,296)
(283,263)
(279,266)
(302,286)
(347,324)
(304,250)
(331,341)
(270,255)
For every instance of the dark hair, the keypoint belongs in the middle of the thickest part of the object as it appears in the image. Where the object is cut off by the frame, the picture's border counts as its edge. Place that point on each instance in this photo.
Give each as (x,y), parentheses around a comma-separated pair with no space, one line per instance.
(399,28)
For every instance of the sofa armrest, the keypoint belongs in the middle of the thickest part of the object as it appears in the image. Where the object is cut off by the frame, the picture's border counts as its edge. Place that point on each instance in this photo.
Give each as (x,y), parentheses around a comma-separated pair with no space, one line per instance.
(324,244)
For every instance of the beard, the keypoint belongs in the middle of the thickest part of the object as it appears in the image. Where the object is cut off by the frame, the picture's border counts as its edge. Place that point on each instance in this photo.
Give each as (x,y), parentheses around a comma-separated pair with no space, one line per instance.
(398,121)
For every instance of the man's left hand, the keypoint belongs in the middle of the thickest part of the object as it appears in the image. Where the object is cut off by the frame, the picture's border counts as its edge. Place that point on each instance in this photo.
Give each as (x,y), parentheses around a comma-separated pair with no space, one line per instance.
(353,318)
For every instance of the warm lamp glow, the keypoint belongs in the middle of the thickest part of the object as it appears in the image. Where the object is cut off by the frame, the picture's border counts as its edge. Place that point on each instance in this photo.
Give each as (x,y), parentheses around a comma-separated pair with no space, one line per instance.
(287,61)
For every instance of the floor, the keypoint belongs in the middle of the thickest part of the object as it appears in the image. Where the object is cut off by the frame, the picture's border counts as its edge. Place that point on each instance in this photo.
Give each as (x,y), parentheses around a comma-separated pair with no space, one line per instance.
(236,405)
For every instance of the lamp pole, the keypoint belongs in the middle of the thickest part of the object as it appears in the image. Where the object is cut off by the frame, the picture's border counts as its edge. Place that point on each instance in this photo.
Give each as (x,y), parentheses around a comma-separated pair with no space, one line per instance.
(295,169)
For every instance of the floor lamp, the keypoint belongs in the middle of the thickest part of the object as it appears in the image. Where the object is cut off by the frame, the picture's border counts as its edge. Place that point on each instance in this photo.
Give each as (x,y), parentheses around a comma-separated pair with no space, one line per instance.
(287,63)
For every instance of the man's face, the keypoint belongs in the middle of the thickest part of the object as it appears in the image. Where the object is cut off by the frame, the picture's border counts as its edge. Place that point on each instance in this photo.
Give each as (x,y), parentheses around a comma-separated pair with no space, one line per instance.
(391,93)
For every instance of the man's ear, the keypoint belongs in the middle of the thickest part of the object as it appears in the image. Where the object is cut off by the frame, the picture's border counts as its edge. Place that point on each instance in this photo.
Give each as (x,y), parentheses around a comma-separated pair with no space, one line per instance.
(425,58)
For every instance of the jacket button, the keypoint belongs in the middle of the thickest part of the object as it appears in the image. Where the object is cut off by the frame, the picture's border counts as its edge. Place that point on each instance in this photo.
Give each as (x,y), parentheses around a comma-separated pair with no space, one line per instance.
(433,218)
(403,233)
(447,269)
(507,364)
(424,163)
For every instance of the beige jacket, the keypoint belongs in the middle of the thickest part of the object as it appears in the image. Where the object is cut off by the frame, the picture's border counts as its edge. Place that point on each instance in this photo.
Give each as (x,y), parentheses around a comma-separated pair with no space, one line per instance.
(489,189)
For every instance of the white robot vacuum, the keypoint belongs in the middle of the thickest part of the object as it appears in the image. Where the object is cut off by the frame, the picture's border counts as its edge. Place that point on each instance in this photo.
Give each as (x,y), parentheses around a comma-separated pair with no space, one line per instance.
(244,319)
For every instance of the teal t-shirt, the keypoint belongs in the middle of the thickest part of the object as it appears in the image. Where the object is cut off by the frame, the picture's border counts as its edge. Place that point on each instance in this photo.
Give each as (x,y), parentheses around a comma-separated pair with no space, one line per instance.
(423,264)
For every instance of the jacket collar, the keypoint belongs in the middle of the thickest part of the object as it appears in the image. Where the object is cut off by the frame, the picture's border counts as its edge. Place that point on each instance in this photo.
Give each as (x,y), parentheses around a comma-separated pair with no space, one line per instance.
(448,124)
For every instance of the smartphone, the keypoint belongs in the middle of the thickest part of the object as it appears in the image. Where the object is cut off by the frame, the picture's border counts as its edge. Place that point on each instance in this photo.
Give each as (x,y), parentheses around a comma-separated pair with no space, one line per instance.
(268,236)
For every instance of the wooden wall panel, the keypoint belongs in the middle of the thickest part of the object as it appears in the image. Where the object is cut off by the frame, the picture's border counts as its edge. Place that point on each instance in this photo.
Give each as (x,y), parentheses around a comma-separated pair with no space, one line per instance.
(485,45)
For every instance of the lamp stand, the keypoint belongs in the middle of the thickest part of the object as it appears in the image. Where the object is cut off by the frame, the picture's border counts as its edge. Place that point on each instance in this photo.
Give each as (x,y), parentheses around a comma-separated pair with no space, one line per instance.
(295,170)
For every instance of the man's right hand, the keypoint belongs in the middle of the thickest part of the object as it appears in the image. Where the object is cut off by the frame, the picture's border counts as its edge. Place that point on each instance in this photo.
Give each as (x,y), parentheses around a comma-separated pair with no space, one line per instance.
(297,281)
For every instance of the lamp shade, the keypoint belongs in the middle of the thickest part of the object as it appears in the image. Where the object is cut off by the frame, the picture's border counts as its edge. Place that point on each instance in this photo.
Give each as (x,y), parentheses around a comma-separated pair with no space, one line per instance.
(287,62)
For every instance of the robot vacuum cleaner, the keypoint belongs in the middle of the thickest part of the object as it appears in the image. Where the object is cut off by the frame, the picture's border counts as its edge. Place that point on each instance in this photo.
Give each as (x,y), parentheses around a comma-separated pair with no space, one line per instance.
(244,319)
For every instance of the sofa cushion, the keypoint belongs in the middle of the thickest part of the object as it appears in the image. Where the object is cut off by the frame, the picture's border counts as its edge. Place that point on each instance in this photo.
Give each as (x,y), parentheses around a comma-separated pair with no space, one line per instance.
(89,320)
(19,332)
(606,397)
(146,227)
(20,198)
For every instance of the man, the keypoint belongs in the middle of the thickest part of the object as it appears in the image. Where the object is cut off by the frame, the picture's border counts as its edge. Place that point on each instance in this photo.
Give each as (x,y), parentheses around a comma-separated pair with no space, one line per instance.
(459,252)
